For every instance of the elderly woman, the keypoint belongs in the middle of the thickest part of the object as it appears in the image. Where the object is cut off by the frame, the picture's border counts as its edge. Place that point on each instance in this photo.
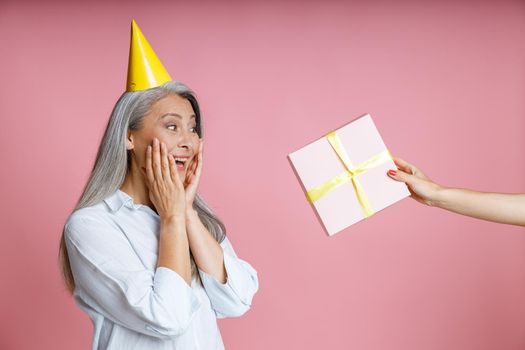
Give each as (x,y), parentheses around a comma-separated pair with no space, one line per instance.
(142,253)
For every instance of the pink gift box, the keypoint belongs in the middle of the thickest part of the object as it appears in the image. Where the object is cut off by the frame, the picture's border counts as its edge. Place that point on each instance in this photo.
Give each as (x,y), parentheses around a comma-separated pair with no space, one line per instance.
(318,162)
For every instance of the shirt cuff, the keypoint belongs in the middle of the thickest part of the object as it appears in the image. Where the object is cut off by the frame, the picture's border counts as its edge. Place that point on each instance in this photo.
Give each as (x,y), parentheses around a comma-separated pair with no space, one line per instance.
(234,277)
(175,292)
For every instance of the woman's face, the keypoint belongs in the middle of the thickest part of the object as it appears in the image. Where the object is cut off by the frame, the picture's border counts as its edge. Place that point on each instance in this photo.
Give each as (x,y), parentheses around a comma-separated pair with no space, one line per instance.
(171,120)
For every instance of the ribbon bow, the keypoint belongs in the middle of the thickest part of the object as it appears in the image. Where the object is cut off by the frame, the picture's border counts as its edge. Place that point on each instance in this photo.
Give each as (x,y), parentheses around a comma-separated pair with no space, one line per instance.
(349,174)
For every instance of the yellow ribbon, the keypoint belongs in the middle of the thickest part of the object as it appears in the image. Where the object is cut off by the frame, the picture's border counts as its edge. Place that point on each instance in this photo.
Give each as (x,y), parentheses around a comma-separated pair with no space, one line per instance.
(350,174)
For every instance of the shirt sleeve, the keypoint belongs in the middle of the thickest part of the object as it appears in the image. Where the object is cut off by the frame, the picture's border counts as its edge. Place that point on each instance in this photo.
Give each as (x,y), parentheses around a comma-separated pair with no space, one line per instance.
(111,279)
(234,297)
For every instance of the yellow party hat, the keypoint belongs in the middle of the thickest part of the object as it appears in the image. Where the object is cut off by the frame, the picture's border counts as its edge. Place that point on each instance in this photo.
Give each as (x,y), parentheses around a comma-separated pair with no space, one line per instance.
(144,68)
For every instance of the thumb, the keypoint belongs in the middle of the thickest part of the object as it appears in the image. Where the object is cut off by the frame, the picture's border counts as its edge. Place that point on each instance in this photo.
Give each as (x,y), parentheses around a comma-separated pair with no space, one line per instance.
(400,175)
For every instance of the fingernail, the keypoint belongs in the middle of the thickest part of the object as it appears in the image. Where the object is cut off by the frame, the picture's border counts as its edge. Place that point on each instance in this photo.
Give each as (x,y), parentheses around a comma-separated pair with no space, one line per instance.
(392,172)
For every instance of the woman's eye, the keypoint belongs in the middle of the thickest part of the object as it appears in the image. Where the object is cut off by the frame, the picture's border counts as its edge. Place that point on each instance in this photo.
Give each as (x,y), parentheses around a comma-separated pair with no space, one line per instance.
(194,129)
(174,127)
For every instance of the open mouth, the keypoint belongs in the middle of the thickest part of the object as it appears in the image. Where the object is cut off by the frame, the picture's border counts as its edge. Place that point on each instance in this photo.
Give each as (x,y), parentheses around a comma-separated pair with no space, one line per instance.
(181,162)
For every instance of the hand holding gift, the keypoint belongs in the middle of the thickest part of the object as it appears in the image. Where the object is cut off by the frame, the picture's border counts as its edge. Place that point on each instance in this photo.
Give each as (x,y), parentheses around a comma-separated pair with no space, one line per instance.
(420,186)
(498,207)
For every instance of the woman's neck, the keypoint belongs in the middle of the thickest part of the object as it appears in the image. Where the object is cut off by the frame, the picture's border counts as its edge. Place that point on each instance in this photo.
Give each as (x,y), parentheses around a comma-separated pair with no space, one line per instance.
(134,185)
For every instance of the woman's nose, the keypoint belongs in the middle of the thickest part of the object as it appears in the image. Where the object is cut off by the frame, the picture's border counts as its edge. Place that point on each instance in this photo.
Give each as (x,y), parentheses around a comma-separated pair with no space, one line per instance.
(184,141)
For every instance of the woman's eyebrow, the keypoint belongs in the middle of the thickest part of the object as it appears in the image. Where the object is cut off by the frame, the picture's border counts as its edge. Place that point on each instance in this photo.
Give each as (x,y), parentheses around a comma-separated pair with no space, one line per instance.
(175,115)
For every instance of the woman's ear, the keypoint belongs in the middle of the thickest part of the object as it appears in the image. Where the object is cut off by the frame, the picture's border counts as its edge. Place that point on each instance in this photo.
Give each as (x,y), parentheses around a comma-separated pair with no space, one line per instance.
(129,141)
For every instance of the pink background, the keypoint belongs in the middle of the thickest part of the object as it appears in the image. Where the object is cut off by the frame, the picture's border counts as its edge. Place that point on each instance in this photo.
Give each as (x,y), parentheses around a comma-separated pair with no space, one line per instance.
(444,81)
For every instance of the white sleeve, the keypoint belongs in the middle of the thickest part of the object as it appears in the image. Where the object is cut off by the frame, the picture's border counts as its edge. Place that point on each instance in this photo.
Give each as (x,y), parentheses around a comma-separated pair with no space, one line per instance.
(111,279)
(234,297)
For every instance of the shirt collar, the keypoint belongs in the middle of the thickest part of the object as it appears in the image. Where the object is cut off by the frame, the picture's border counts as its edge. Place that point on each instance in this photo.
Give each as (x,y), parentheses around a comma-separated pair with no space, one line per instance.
(119,199)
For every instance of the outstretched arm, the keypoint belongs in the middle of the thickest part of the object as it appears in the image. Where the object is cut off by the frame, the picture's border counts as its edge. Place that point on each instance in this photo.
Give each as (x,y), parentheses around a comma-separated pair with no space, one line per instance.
(506,208)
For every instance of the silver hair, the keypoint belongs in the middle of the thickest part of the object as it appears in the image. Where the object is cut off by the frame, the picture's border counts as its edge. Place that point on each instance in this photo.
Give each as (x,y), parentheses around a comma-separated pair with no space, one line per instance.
(113,161)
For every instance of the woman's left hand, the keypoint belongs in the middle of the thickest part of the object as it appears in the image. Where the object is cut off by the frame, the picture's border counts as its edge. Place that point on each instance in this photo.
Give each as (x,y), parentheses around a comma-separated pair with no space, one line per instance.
(193,175)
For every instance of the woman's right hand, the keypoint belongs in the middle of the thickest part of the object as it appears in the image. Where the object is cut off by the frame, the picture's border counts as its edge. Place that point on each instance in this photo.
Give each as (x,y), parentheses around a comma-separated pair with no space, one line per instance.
(420,186)
(166,190)
(505,208)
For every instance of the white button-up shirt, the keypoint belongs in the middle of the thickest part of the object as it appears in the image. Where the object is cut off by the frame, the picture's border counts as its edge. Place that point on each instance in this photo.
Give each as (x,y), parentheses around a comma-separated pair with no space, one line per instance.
(113,250)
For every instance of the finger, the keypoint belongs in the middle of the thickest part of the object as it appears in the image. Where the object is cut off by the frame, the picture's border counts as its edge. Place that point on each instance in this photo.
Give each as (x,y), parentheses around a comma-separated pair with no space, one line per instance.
(149,167)
(403,165)
(192,172)
(165,163)
(174,172)
(173,167)
(194,163)
(189,173)
(191,167)
(198,169)
(157,171)
(400,175)
(400,162)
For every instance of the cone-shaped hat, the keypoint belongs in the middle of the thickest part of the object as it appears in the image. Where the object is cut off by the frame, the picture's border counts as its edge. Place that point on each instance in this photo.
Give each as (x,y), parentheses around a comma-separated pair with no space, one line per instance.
(144,68)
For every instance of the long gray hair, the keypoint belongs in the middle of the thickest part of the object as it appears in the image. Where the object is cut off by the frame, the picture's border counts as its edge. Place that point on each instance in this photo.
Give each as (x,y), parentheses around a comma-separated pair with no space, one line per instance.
(113,161)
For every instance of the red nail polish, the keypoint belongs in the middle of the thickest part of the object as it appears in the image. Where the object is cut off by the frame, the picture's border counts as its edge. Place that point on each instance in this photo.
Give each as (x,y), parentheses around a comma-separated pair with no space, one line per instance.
(392,172)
